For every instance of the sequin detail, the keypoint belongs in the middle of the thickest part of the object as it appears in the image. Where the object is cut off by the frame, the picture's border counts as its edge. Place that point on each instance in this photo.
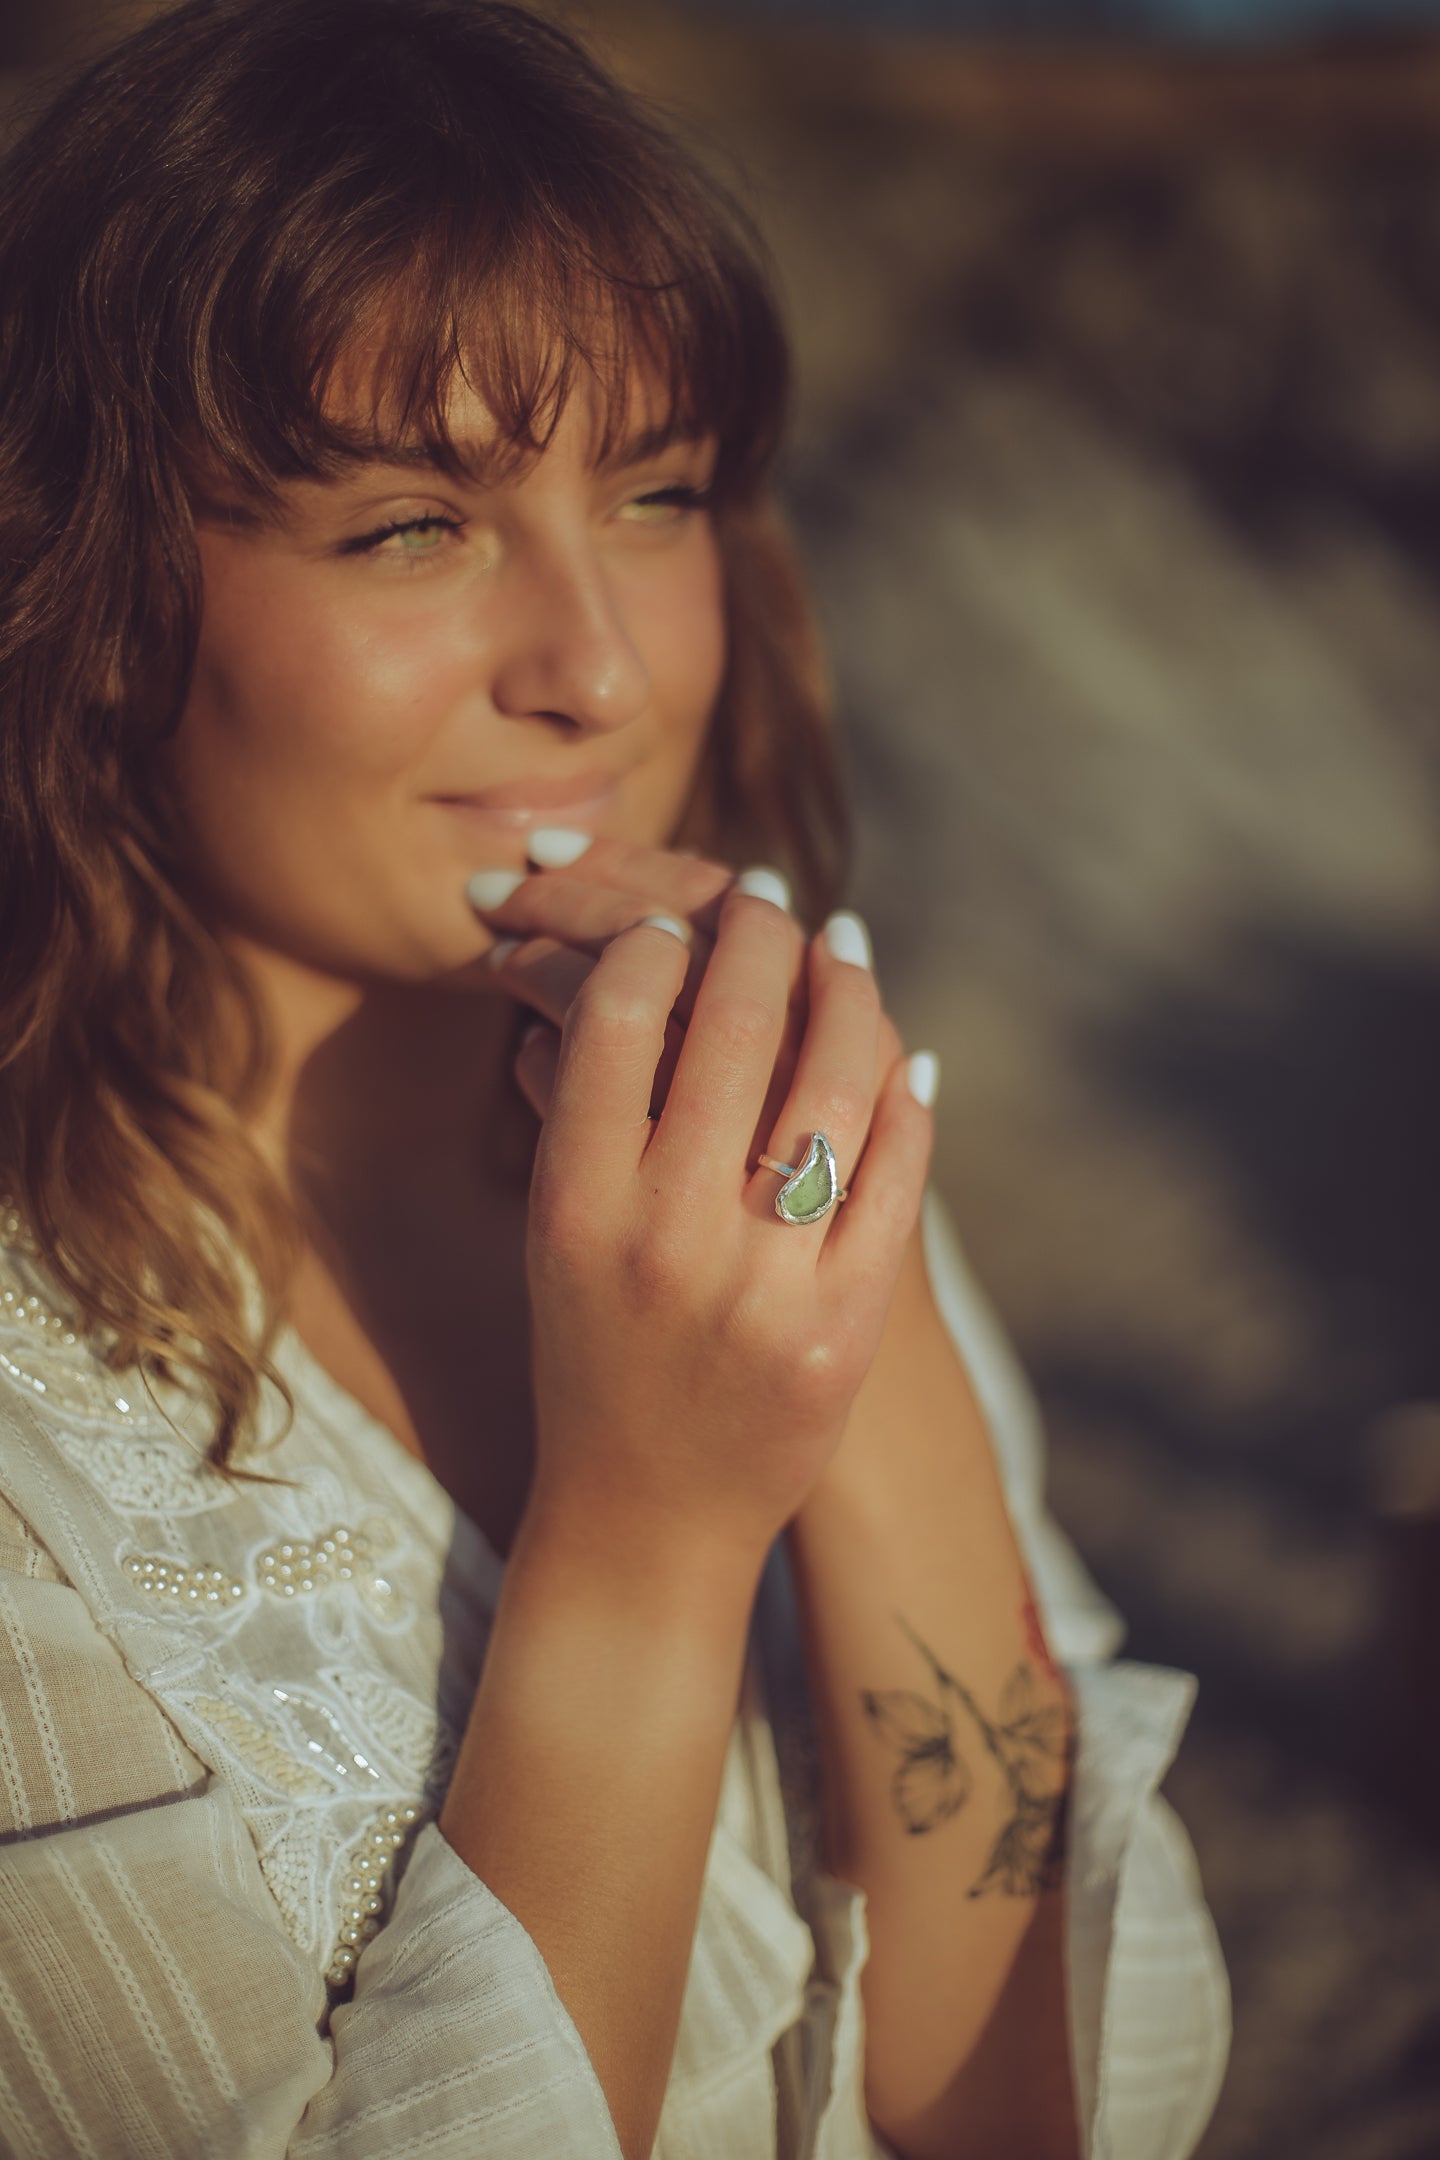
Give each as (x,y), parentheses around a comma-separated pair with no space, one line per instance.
(324,1736)
(299,1567)
(206,1587)
(362,1887)
(411,1733)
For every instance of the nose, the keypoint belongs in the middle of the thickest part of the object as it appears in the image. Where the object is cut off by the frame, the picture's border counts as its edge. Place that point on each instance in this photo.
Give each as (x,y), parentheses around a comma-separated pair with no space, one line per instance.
(568,653)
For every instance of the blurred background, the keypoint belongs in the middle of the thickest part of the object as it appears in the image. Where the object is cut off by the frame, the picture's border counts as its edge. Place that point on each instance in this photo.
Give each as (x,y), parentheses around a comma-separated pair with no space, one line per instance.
(1117,466)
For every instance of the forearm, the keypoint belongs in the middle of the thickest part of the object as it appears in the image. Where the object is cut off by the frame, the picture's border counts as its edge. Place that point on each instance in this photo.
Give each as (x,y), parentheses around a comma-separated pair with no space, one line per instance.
(585,1791)
(945,1740)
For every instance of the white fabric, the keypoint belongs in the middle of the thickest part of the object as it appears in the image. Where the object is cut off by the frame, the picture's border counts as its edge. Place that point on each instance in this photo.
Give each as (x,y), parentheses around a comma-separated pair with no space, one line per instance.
(187,1777)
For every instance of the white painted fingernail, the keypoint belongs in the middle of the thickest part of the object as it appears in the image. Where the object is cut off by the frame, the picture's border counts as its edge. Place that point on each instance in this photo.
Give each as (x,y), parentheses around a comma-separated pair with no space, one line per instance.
(848,939)
(492,888)
(763,883)
(501,950)
(556,846)
(922,1076)
(668,922)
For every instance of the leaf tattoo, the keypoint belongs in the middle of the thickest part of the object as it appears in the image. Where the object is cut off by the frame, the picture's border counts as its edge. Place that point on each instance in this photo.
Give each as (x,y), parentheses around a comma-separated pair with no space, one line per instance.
(1030,1742)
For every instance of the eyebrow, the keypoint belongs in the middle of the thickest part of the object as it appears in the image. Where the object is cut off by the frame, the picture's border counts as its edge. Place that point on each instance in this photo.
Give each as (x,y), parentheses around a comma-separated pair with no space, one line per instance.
(637,449)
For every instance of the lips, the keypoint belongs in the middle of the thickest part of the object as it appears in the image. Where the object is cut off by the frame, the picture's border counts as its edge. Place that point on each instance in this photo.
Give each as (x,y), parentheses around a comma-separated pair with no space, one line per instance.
(523,803)
(538,794)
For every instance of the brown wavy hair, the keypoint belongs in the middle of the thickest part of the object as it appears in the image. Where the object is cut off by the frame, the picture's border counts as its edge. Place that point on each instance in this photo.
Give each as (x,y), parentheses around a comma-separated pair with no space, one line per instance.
(192,239)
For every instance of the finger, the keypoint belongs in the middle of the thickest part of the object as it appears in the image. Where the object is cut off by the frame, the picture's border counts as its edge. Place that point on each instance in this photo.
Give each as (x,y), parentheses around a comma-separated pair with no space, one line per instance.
(548,977)
(567,904)
(542,973)
(875,1224)
(537,1061)
(833,1087)
(686,885)
(587,916)
(548,1061)
(724,1068)
(597,1122)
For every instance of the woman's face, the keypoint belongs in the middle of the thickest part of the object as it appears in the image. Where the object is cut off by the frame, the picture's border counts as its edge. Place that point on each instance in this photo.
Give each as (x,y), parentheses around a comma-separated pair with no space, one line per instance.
(400,644)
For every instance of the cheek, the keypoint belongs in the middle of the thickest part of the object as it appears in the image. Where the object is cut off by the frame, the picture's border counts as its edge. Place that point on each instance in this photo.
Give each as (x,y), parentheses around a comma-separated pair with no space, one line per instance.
(294,768)
(349,690)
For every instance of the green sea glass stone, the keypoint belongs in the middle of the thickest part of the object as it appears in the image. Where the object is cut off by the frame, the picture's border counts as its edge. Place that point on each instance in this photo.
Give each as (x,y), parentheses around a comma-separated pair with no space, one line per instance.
(807,1195)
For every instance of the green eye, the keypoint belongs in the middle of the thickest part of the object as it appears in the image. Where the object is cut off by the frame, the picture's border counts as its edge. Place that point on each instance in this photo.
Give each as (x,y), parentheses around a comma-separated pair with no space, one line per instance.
(419,539)
(666,503)
(416,536)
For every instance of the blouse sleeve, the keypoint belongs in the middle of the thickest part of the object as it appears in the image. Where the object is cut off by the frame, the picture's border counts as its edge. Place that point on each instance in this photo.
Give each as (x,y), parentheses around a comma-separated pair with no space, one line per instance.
(1149,2001)
(151,2001)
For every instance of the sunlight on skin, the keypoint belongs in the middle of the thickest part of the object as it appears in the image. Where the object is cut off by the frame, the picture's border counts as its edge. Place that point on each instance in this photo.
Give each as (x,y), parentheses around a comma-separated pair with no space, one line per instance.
(400,637)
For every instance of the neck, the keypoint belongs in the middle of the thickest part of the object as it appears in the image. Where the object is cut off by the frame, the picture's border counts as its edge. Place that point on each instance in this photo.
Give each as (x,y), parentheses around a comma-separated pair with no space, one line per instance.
(397,1128)
(392,1104)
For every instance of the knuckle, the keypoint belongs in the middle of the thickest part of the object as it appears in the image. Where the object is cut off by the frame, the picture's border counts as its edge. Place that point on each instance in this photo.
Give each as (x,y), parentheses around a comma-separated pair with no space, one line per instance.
(657,1267)
(842,1101)
(613,1012)
(705,874)
(818,1372)
(735,1023)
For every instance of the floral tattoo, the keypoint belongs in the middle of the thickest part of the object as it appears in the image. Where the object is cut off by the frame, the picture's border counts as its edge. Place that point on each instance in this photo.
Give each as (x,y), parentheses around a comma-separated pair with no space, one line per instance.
(1030,1741)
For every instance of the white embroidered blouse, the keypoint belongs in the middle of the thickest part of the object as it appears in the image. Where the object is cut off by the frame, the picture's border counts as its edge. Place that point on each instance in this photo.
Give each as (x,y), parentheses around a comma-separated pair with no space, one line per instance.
(229,1923)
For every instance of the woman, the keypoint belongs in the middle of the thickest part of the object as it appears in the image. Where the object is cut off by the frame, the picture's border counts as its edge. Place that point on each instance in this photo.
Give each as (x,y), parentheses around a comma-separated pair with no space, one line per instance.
(433,1477)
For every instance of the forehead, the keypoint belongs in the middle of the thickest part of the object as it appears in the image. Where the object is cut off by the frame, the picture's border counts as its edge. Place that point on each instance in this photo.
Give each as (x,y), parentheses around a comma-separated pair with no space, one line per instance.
(599,414)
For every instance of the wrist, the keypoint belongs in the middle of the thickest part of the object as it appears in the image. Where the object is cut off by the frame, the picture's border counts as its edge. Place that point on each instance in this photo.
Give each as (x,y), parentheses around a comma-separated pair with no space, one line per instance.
(634,1573)
(631,1670)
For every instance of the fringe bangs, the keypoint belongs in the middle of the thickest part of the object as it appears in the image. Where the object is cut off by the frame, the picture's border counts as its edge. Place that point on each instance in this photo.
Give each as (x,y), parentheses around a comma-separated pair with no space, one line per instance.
(243,211)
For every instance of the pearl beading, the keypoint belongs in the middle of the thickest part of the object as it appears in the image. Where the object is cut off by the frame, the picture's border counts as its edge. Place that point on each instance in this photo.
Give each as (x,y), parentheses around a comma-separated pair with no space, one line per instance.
(342,1558)
(190,1585)
(368,1864)
(30,1313)
(299,1566)
(261,1751)
(13,1230)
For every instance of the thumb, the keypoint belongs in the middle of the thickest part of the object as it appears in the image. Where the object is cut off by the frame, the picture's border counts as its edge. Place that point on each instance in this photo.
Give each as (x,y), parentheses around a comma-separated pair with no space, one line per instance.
(537,1061)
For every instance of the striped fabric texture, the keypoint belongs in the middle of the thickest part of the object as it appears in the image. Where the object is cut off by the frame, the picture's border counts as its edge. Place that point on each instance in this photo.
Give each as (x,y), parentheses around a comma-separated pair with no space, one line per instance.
(227,1724)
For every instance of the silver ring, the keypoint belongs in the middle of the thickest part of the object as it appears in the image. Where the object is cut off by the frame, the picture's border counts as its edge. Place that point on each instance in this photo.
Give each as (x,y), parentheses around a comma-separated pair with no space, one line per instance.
(810,1190)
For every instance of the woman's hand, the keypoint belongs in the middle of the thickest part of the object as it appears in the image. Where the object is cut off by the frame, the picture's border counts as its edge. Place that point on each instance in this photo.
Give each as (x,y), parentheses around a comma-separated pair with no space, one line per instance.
(694,1358)
(556,922)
